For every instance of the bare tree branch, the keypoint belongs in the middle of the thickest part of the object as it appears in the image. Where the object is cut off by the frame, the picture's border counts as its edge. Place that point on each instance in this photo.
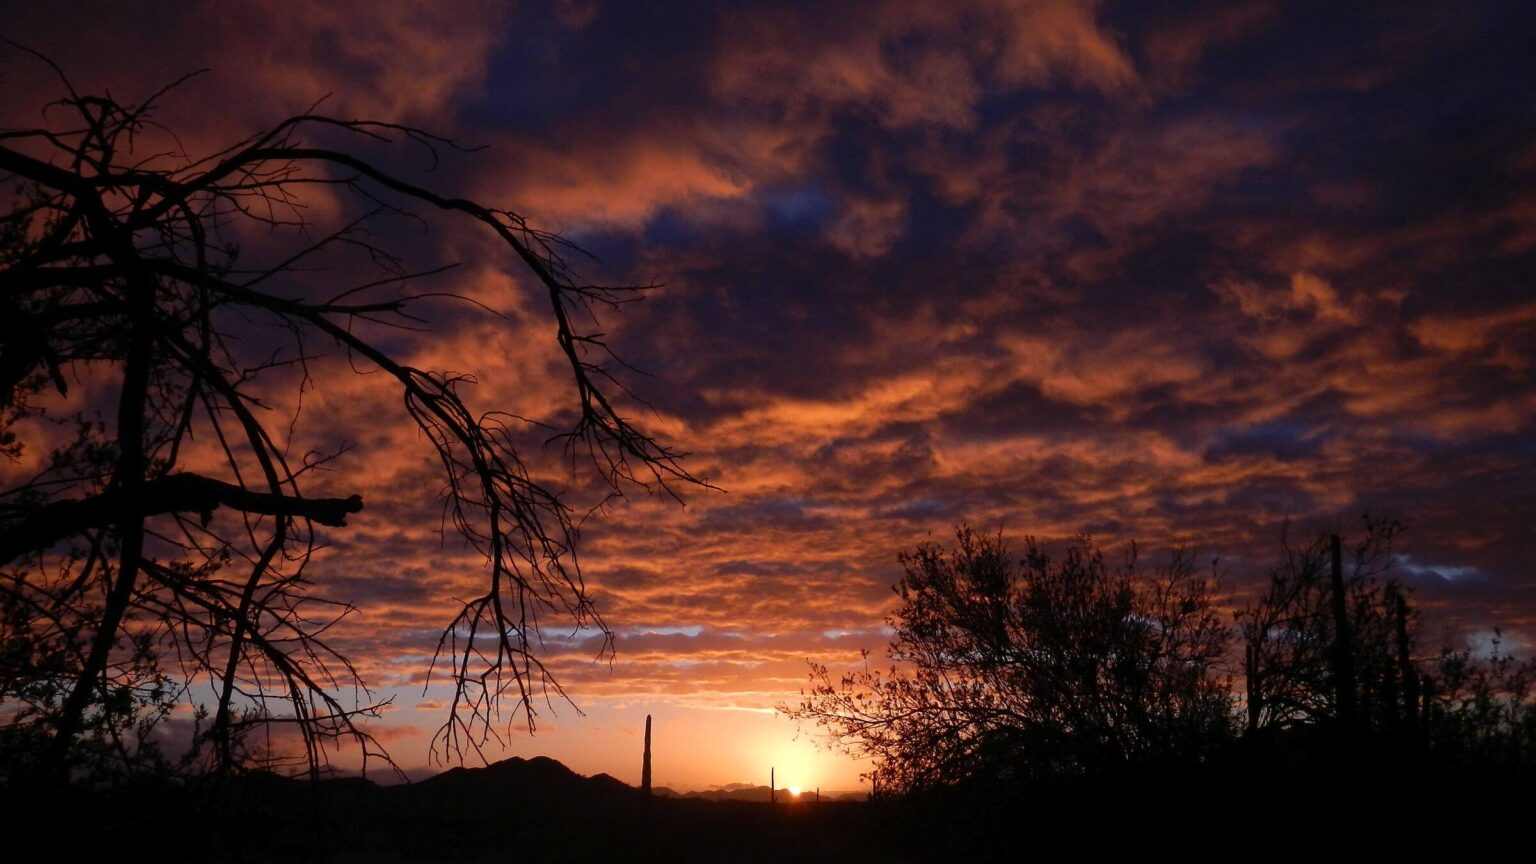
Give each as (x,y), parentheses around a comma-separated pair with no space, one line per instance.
(114,256)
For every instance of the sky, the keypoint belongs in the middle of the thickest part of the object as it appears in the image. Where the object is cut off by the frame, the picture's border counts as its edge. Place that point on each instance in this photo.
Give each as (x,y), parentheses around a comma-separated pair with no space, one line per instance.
(1163,273)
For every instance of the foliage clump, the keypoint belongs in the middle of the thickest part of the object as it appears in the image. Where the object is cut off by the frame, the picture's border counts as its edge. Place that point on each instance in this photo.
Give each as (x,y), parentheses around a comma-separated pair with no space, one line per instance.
(1032,667)
(1022,666)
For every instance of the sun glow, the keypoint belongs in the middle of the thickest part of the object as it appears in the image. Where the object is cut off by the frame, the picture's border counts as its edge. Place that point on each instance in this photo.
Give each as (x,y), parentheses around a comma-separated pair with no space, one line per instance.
(795,791)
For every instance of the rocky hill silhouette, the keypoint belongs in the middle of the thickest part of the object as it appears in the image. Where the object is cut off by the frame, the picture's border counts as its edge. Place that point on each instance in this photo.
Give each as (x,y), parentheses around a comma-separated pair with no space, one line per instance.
(538,780)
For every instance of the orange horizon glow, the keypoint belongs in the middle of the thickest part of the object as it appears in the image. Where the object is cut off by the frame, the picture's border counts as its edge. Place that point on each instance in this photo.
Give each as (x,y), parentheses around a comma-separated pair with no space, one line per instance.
(694,748)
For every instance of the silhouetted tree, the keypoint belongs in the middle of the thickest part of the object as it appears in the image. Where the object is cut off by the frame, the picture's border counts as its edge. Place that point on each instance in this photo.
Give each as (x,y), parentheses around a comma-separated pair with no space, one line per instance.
(1039,665)
(131,572)
(1456,705)
(1332,648)
(1481,710)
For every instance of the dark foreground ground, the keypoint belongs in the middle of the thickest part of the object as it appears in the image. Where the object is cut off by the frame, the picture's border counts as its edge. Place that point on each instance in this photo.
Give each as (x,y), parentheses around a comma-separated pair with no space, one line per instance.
(538,811)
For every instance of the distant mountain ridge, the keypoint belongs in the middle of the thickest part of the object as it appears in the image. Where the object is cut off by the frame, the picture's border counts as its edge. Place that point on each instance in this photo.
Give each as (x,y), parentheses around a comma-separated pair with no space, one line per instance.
(544,776)
(732,792)
(748,792)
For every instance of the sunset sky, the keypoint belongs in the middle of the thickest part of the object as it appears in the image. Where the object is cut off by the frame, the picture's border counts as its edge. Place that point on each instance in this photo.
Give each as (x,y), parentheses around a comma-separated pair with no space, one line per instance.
(1164,273)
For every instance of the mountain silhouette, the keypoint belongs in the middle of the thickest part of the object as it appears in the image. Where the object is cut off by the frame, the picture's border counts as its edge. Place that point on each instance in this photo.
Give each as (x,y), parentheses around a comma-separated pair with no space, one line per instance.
(732,792)
(761,794)
(517,779)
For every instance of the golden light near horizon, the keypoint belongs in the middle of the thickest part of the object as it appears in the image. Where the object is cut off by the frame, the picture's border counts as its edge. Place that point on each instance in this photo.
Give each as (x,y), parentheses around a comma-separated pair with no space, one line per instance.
(801,765)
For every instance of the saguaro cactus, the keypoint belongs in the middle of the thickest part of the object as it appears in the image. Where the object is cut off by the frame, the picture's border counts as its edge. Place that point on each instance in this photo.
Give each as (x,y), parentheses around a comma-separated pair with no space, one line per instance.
(645,766)
(773,788)
(1405,665)
(1255,688)
(1343,647)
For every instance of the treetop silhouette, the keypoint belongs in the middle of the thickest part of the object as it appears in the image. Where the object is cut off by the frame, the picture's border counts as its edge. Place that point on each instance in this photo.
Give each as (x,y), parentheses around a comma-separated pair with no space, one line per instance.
(1019,669)
(1032,666)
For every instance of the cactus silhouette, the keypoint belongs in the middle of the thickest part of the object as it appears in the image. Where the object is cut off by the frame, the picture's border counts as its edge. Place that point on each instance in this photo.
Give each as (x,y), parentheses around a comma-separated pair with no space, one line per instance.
(645,766)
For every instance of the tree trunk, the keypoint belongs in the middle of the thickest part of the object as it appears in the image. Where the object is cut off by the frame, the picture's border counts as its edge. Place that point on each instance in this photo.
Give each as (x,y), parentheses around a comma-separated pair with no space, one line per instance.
(128,482)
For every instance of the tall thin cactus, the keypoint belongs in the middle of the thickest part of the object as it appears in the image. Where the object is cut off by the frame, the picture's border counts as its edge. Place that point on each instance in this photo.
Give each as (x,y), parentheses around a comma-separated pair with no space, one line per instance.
(1255,688)
(1405,664)
(1343,647)
(645,766)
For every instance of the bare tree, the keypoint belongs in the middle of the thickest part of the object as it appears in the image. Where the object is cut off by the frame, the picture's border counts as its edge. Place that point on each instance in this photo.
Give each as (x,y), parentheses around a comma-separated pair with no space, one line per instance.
(125,579)
(1332,642)
(1038,666)
(1333,646)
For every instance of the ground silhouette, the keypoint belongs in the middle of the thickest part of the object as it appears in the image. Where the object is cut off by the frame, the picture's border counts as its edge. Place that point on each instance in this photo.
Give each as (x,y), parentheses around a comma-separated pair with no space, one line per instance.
(1269,803)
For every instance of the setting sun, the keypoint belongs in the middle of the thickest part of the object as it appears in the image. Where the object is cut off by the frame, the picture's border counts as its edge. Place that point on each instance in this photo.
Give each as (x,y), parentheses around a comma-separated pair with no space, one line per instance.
(795,791)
